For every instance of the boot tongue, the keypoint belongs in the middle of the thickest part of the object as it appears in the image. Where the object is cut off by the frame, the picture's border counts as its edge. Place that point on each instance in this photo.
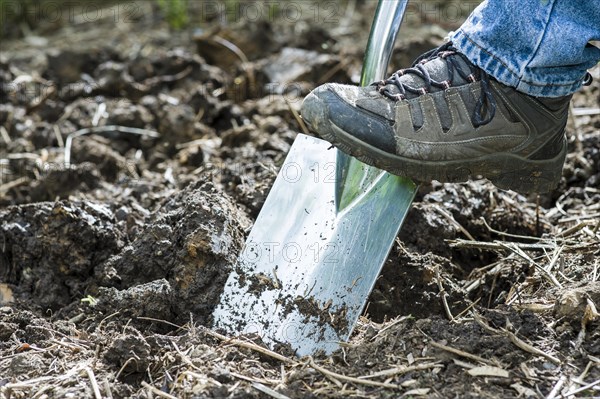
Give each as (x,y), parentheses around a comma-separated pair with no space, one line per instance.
(438,71)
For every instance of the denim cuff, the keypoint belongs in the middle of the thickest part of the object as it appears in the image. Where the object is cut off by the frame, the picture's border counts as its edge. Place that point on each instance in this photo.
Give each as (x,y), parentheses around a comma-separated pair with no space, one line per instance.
(528,82)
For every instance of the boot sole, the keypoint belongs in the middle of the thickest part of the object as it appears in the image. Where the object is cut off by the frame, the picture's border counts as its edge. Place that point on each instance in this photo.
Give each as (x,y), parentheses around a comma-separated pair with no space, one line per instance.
(506,171)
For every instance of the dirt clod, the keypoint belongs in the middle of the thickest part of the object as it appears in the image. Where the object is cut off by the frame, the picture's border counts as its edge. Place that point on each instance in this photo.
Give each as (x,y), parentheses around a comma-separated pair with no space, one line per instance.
(51,249)
(572,303)
(129,351)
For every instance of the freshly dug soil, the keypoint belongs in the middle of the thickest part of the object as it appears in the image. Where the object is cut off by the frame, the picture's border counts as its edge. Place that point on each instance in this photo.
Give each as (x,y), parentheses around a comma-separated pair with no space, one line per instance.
(111,263)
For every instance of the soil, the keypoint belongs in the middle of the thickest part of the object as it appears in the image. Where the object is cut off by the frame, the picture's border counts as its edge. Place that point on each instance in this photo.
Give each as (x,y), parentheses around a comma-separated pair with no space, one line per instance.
(112,263)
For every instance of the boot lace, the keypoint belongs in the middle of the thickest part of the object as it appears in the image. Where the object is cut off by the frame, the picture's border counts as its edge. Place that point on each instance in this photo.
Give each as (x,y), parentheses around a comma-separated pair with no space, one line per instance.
(485,108)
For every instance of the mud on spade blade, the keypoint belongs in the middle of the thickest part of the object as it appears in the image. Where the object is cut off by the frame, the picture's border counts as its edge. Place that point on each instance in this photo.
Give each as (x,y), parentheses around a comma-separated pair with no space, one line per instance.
(314,252)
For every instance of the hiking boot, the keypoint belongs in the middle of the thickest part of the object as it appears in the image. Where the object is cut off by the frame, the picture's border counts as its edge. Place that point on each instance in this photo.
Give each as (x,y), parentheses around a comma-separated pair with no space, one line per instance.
(445,119)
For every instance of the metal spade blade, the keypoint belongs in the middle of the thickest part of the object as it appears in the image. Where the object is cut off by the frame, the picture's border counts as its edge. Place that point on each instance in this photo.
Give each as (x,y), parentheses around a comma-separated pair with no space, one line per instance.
(322,236)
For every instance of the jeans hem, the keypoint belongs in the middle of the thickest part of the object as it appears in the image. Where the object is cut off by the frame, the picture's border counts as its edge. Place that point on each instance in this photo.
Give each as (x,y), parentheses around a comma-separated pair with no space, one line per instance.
(504,73)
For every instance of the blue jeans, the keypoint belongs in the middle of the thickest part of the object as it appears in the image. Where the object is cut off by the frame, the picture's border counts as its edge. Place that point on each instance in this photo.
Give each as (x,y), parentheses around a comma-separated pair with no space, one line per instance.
(539,47)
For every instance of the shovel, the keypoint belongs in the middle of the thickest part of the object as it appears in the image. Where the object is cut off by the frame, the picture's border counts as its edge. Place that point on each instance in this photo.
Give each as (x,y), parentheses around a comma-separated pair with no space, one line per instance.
(322,236)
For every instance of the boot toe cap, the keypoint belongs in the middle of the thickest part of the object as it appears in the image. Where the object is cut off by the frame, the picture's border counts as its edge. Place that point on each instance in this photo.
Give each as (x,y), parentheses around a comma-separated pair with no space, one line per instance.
(334,104)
